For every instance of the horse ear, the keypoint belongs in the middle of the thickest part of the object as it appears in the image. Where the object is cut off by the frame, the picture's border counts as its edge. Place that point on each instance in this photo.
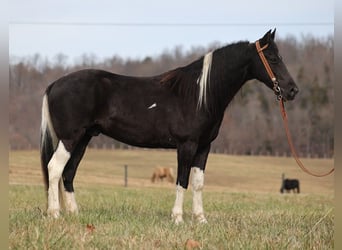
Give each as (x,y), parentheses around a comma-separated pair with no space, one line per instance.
(273,33)
(266,38)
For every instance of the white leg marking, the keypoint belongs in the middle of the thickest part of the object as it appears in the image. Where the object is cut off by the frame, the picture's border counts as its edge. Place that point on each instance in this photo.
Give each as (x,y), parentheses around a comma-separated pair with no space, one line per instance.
(177,211)
(70,202)
(55,168)
(197,187)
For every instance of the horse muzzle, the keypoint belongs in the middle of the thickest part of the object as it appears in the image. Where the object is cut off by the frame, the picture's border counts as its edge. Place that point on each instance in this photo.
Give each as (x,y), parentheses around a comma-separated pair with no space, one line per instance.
(292,93)
(289,94)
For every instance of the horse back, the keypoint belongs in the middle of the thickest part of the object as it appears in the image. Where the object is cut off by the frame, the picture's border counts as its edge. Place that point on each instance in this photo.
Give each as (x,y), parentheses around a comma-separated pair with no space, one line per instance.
(96,101)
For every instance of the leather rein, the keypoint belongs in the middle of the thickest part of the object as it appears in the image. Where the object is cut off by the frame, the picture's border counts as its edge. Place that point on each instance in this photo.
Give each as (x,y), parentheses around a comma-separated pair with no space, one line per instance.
(277,92)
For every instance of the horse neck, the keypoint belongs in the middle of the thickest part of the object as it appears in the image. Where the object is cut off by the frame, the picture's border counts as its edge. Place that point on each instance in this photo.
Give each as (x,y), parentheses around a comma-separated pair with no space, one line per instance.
(229,71)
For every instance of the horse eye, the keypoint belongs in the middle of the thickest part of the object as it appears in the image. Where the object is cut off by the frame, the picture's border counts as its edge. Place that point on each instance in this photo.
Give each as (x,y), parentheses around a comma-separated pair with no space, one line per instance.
(274,59)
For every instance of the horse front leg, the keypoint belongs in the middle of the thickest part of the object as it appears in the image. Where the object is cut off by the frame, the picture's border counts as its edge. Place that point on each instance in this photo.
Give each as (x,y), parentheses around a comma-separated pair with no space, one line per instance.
(198,183)
(185,155)
(177,210)
(197,187)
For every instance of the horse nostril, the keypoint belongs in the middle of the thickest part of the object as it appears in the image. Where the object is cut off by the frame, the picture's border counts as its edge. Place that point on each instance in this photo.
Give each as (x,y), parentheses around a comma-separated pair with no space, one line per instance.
(294,91)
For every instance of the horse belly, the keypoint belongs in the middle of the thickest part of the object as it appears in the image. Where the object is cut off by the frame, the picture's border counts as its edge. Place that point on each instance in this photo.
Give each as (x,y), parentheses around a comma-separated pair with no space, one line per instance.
(142,130)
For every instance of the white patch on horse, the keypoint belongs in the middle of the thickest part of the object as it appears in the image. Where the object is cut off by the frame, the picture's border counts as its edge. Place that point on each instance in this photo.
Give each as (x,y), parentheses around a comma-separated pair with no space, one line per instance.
(204,80)
(177,211)
(55,167)
(152,106)
(197,187)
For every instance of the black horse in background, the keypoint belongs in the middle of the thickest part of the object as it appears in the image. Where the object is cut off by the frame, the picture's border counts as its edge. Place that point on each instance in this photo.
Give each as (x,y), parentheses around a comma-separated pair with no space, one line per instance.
(182,108)
(289,184)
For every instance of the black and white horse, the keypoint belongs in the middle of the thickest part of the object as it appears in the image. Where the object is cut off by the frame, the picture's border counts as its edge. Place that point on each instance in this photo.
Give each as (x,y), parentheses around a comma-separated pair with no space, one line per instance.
(181,109)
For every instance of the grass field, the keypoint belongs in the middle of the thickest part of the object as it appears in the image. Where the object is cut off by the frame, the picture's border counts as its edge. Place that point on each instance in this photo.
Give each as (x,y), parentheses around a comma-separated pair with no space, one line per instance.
(241,200)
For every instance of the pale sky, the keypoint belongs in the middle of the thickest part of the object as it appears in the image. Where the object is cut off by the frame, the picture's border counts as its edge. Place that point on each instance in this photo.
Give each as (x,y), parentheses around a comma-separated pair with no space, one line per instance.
(137,29)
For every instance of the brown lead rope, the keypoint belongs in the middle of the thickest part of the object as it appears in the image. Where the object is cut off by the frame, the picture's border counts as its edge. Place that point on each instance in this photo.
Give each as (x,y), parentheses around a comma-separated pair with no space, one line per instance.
(293,151)
(283,112)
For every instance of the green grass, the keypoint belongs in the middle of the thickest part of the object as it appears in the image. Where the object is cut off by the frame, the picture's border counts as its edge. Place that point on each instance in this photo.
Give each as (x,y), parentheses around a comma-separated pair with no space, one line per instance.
(241,200)
(130,218)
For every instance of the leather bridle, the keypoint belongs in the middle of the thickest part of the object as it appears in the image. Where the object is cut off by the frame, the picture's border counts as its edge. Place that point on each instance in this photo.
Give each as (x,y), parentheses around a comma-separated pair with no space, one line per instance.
(277,92)
(276,88)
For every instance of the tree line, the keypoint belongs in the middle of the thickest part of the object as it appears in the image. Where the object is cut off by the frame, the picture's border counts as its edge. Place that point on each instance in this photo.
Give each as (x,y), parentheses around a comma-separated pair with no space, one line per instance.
(252,123)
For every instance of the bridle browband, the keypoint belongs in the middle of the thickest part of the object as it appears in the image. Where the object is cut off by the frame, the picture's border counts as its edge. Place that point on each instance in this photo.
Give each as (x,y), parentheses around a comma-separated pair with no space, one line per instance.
(276,88)
(277,92)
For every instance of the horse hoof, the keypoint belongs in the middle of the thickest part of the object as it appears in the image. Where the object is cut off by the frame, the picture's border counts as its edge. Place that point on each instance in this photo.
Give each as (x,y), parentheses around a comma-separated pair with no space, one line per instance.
(53,213)
(177,218)
(179,221)
(72,211)
(201,219)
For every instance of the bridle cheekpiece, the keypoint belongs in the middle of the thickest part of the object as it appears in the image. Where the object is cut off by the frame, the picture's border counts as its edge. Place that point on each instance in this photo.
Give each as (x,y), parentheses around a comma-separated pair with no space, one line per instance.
(276,88)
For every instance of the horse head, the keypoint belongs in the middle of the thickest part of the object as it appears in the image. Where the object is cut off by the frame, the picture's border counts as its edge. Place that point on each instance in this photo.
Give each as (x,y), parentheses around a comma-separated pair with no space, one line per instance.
(269,68)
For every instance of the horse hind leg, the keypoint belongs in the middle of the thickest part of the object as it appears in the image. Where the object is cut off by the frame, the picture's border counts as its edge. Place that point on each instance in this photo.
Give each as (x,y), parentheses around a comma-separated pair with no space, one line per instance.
(69,174)
(55,167)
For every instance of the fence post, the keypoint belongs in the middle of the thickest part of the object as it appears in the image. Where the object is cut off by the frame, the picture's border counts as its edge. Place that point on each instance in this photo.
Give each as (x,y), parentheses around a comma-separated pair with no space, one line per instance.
(126,175)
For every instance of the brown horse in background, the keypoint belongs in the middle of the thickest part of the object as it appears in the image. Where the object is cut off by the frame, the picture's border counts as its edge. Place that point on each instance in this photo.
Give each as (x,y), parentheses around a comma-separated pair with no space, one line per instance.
(162,172)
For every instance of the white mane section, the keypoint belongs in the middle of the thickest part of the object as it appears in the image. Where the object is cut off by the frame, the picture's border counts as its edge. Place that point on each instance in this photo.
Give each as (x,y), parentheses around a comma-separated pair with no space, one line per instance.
(204,80)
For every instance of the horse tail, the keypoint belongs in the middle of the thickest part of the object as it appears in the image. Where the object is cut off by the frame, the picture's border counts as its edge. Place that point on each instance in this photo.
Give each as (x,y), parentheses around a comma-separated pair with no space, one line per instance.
(48,140)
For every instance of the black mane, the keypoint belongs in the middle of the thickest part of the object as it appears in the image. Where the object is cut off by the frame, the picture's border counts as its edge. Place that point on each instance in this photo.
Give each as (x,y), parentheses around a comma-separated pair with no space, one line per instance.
(184,80)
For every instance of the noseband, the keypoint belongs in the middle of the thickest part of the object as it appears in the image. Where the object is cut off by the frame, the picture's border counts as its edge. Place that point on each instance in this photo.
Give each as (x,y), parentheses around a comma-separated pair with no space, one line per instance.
(276,88)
